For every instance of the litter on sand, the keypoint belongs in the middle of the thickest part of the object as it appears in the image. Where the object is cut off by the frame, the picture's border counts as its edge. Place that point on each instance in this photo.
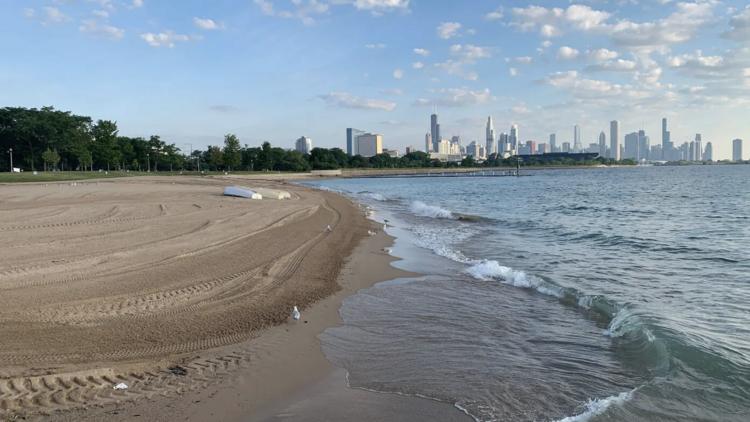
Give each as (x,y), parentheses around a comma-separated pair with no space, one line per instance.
(370,233)
(120,386)
(388,250)
(329,229)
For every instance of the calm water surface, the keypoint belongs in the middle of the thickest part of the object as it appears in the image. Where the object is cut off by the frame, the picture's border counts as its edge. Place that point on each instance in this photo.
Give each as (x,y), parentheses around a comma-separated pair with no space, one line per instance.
(572,295)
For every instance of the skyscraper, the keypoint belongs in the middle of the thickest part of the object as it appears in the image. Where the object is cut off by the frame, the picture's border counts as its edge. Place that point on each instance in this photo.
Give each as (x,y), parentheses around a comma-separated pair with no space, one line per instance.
(531,146)
(666,144)
(303,145)
(708,154)
(631,145)
(491,144)
(435,131)
(473,149)
(351,140)
(553,142)
(614,139)
(513,138)
(644,145)
(602,144)
(698,147)
(503,143)
(409,149)
(691,151)
(370,144)
(566,147)
(577,145)
(428,142)
(737,150)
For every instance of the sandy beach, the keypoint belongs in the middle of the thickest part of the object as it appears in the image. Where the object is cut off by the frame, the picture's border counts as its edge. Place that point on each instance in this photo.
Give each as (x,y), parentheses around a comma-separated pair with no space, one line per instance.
(184,295)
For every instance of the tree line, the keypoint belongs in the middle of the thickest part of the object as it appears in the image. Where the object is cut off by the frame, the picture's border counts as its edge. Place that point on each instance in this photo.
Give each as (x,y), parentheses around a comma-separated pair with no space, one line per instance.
(49,139)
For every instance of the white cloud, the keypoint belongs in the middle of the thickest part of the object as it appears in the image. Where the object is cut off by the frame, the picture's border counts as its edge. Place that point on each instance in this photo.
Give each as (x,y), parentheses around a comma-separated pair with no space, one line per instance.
(29,13)
(696,60)
(740,27)
(374,46)
(497,14)
(392,92)
(567,53)
(448,30)
(471,31)
(553,22)
(459,97)
(585,88)
(613,66)
(101,13)
(302,12)
(109,7)
(398,73)
(546,43)
(48,16)
(456,68)
(470,52)
(136,4)
(512,71)
(207,24)
(436,80)
(421,52)
(100,31)
(164,39)
(346,100)
(382,5)
(524,60)
(601,54)
(417,65)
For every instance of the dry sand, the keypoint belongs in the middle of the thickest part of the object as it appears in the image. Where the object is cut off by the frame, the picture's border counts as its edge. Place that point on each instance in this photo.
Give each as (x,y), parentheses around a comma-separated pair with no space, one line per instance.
(167,286)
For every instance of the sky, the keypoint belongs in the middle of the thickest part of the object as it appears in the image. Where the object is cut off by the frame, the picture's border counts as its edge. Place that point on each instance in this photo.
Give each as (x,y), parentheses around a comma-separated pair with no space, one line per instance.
(193,71)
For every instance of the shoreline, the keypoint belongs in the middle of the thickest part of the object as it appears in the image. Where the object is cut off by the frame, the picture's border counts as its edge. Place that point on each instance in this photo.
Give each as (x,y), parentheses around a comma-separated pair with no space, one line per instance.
(286,368)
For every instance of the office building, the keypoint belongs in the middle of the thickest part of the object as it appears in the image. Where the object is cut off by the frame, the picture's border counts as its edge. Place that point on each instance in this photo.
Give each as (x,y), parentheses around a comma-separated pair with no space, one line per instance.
(444,147)
(737,150)
(577,145)
(552,142)
(370,145)
(409,150)
(531,147)
(644,145)
(428,142)
(614,139)
(691,152)
(592,149)
(435,131)
(631,145)
(708,153)
(351,140)
(666,144)
(566,147)
(392,152)
(656,152)
(698,147)
(491,145)
(602,144)
(541,148)
(513,138)
(303,145)
(503,143)
(473,150)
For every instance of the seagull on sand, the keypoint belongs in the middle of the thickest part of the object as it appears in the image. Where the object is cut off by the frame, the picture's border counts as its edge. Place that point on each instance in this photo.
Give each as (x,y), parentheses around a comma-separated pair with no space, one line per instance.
(328,229)
(295,314)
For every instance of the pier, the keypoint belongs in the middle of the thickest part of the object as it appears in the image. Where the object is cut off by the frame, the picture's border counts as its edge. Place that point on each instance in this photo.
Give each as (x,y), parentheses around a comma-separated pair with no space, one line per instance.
(488,173)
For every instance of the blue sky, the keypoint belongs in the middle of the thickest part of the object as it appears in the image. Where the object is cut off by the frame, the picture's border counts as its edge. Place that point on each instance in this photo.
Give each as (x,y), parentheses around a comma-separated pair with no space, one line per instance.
(193,71)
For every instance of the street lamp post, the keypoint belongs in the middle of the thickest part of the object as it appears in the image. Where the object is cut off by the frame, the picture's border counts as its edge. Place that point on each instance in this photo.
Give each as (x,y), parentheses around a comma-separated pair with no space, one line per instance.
(10,151)
(191,148)
(148,160)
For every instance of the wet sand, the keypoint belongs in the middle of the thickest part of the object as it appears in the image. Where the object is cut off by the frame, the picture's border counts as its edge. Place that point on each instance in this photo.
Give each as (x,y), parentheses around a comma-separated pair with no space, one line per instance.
(182,294)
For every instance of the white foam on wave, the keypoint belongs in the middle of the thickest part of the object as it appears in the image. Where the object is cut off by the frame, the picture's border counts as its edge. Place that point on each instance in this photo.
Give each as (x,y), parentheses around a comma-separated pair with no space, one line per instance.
(596,407)
(492,270)
(423,210)
(375,196)
(624,321)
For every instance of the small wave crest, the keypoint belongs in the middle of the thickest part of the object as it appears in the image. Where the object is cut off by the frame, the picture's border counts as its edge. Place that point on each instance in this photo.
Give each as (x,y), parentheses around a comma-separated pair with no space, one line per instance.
(374,196)
(596,407)
(492,270)
(423,210)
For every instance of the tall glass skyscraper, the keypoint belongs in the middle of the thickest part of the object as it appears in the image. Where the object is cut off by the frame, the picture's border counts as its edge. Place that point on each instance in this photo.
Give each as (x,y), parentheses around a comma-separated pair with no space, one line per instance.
(435,131)
(491,145)
(614,139)
(577,145)
(351,140)
(602,144)
(513,138)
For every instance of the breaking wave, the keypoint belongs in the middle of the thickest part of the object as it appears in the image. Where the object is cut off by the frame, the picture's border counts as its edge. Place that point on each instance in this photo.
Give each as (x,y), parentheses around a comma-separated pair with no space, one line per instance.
(423,210)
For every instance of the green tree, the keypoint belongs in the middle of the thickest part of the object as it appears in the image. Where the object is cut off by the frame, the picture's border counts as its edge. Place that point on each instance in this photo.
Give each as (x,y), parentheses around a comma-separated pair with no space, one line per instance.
(50,157)
(266,156)
(106,149)
(216,160)
(232,153)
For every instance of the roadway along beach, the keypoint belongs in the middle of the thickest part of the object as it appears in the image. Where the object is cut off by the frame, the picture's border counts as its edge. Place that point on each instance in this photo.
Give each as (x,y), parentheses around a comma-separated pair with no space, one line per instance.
(171,288)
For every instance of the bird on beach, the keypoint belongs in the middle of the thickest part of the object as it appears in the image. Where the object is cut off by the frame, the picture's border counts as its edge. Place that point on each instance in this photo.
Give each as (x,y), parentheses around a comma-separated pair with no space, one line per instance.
(328,229)
(385,226)
(295,314)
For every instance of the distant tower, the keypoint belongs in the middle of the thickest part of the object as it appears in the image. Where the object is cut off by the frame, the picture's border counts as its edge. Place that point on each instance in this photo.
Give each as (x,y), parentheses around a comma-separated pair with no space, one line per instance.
(435,131)
(577,145)
(427,142)
(614,139)
(666,143)
(708,154)
(737,150)
(602,144)
(513,139)
(553,142)
(698,147)
(491,147)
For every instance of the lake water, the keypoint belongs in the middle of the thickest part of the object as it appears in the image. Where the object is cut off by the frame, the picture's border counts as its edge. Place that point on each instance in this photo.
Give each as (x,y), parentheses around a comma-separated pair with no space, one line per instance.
(572,295)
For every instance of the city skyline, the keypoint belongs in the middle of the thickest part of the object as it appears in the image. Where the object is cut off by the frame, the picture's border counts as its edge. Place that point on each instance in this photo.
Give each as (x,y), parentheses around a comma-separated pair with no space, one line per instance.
(193,72)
